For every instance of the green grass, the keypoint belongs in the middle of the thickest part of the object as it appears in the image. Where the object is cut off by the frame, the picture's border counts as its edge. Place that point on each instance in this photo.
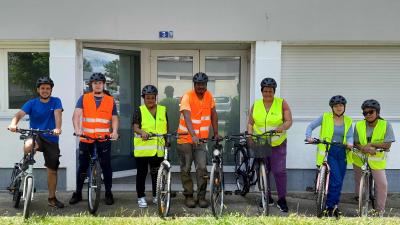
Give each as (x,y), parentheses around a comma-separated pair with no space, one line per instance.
(228,219)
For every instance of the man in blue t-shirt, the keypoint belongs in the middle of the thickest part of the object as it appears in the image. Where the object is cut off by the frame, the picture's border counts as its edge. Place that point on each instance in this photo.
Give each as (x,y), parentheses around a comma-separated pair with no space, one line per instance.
(45,113)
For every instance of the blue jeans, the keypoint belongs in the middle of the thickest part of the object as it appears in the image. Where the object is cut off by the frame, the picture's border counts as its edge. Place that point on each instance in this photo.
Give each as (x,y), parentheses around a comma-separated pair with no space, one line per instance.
(337,163)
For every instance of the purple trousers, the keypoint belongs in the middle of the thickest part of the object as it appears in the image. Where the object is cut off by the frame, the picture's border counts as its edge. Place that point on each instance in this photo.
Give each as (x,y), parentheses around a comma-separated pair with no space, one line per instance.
(276,163)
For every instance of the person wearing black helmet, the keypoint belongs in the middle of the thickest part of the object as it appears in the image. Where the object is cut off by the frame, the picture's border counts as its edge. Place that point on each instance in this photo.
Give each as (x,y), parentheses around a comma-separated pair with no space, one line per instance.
(95,116)
(369,134)
(335,127)
(45,112)
(273,113)
(149,118)
(198,113)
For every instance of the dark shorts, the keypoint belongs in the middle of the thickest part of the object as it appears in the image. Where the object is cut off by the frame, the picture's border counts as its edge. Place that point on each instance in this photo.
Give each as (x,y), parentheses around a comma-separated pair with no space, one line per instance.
(51,153)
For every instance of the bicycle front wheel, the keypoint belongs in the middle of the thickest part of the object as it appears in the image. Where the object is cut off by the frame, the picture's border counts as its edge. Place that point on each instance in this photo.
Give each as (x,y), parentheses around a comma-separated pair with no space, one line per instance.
(28,197)
(363,195)
(94,187)
(217,190)
(263,186)
(241,166)
(163,190)
(321,191)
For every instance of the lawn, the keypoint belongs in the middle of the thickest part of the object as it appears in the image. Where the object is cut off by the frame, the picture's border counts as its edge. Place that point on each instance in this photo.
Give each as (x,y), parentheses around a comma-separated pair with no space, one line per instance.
(228,219)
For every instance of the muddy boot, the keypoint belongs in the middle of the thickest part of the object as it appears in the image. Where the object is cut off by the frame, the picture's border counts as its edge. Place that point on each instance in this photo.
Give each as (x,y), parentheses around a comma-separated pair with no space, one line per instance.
(189,202)
(203,203)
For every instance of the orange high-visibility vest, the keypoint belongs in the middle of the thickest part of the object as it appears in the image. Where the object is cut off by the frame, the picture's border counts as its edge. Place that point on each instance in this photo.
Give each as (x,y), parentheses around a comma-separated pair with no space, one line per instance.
(96,122)
(200,111)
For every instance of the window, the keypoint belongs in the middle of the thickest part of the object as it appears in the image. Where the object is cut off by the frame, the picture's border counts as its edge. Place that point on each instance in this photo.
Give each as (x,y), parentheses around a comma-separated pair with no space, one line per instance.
(24,68)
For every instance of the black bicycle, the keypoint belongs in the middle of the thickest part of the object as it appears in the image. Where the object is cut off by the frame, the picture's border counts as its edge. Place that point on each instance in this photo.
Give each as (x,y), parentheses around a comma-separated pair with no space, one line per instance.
(217,185)
(22,179)
(94,175)
(322,181)
(249,152)
(366,193)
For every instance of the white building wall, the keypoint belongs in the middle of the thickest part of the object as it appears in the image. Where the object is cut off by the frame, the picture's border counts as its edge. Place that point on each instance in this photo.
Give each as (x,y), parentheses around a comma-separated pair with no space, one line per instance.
(67,74)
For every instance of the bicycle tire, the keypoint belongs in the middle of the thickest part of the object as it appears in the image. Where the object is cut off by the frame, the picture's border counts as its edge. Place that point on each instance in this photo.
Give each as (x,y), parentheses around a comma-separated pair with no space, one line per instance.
(263,186)
(372,192)
(363,195)
(217,190)
(163,190)
(241,167)
(28,197)
(17,194)
(94,187)
(321,191)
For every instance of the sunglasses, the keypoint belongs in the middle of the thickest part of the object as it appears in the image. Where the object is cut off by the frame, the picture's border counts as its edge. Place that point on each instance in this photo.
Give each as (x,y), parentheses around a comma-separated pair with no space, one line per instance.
(365,113)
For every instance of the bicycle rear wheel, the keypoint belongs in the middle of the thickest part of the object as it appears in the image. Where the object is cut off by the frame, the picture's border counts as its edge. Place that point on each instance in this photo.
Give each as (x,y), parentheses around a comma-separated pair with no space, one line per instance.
(217,190)
(321,191)
(263,186)
(163,190)
(241,166)
(28,197)
(94,187)
(363,195)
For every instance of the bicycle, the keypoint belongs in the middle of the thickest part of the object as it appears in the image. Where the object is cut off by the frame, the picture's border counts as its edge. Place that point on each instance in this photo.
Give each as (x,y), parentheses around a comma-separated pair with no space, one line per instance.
(163,187)
(94,175)
(22,179)
(367,184)
(322,181)
(250,167)
(217,185)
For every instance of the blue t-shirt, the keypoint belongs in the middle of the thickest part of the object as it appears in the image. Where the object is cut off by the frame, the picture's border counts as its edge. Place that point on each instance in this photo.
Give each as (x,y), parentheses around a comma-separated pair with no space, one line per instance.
(41,115)
(79,104)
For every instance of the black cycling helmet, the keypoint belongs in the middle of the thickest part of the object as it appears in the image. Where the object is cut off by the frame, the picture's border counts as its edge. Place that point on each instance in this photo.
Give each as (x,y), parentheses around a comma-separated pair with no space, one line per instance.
(149,90)
(337,99)
(200,77)
(371,103)
(268,82)
(97,77)
(44,80)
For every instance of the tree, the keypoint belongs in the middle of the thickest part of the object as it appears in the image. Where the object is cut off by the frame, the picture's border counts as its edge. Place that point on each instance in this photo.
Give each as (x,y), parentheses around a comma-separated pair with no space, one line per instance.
(24,68)
(112,70)
(87,66)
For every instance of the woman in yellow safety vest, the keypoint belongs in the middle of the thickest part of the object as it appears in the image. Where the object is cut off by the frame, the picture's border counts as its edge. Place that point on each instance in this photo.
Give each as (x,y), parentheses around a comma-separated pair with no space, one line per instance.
(337,128)
(273,113)
(148,118)
(369,134)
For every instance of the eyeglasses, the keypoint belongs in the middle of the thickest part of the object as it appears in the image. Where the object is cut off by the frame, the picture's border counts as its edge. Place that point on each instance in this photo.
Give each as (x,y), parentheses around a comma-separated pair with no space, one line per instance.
(365,113)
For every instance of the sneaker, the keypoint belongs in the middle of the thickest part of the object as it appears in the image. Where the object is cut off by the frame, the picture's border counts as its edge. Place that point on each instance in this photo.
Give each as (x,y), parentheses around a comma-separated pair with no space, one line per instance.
(109,198)
(53,202)
(333,212)
(203,203)
(155,200)
(76,197)
(189,202)
(356,198)
(142,202)
(282,205)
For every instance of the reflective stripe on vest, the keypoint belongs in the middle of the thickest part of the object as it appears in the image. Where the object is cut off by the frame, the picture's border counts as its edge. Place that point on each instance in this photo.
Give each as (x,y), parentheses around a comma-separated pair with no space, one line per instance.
(96,121)
(200,112)
(377,161)
(326,133)
(264,121)
(158,125)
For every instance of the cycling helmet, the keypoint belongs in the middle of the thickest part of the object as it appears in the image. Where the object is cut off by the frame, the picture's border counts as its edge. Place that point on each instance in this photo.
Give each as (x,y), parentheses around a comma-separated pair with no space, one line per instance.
(371,103)
(149,90)
(200,77)
(337,99)
(44,80)
(268,82)
(97,77)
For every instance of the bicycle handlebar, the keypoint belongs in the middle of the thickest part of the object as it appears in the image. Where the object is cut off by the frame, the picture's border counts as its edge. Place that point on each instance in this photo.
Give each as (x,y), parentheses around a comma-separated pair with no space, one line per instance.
(324,142)
(105,138)
(33,131)
(175,134)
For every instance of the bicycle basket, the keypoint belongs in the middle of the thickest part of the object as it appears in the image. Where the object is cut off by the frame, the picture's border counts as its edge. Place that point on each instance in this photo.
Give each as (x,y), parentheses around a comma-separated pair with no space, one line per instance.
(260,148)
